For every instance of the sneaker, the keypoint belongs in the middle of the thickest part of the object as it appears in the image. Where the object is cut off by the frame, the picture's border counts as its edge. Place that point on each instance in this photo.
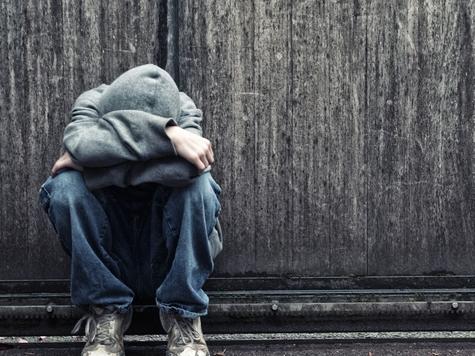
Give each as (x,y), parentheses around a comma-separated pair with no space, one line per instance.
(185,337)
(104,332)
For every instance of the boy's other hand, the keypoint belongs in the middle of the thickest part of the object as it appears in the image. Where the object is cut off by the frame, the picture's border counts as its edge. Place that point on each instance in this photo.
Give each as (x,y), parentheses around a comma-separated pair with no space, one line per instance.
(64,161)
(192,147)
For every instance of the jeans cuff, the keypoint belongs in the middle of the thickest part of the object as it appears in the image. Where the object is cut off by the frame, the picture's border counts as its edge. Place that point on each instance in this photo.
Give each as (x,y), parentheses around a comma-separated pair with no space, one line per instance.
(167,308)
(119,309)
(110,308)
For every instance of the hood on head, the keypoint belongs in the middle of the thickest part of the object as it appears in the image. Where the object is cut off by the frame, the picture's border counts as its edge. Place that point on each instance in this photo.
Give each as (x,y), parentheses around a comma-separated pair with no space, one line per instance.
(147,88)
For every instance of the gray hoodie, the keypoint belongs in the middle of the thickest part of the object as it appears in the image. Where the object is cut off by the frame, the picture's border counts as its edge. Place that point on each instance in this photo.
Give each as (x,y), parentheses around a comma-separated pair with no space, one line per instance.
(117,131)
(117,134)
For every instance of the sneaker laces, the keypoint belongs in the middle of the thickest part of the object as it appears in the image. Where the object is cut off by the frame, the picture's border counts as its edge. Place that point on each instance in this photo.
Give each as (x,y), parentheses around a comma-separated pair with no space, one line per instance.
(188,334)
(100,330)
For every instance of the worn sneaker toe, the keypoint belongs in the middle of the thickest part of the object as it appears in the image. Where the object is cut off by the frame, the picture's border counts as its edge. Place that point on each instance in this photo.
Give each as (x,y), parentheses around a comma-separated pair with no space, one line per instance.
(102,351)
(188,351)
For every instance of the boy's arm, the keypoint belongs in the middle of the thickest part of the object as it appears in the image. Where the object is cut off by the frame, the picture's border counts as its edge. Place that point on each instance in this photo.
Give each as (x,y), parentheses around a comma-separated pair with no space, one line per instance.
(94,139)
(169,171)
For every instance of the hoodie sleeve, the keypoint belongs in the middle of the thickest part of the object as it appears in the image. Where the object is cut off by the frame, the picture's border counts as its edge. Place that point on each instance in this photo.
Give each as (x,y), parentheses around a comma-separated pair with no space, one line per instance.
(190,116)
(169,171)
(96,140)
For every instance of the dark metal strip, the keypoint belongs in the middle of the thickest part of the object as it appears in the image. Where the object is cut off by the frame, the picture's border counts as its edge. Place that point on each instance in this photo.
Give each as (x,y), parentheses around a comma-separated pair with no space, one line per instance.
(276,283)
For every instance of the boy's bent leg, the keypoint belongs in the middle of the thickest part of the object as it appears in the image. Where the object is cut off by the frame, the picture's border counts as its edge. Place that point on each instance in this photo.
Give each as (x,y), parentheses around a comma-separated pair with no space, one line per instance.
(189,217)
(83,228)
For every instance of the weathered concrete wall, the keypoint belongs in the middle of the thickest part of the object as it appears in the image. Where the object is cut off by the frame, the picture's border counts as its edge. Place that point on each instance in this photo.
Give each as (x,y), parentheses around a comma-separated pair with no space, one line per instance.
(50,51)
(343,130)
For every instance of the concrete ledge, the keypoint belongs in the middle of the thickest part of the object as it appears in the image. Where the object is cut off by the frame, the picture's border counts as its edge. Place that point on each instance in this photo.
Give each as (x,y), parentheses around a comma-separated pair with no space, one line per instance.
(268,311)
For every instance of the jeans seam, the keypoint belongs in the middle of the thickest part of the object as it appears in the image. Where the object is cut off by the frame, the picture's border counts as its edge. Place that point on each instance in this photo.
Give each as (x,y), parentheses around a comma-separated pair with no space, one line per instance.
(50,216)
(46,191)
(103,229)
(167,220)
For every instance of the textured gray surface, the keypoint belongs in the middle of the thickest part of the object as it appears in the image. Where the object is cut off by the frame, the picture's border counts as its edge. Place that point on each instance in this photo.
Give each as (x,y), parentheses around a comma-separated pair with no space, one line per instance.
(51,51)
(242,338)
(327,344)
(409,349)
(343,130)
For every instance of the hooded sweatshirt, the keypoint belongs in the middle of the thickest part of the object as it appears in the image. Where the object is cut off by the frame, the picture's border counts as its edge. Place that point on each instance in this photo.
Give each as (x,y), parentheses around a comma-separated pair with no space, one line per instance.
(117,131)
(117,134)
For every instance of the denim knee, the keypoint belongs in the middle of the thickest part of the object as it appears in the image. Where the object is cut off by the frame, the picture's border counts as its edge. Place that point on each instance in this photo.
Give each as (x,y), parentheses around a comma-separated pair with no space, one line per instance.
(203,189)
(66,188)
(199,201)
(56,195)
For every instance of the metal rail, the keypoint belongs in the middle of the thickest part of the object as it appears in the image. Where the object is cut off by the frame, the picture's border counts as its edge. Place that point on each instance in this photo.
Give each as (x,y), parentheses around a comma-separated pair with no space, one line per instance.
(268,311)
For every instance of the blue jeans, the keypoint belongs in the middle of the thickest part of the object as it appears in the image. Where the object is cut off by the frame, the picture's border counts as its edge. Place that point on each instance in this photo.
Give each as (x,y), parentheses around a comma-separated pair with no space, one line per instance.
(136,242)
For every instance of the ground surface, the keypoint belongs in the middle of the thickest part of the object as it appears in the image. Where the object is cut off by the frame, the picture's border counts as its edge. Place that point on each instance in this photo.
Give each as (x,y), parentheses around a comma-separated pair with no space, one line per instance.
(321,344)
(353,349)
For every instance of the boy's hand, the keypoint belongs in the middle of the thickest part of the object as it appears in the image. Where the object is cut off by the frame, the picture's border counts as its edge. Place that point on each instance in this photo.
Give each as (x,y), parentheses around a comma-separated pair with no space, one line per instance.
(192,147)
(64,161)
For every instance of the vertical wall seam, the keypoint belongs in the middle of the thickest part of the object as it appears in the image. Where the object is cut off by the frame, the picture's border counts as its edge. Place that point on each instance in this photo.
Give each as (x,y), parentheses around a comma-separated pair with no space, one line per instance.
(290,110)
(367,141)
(172,65)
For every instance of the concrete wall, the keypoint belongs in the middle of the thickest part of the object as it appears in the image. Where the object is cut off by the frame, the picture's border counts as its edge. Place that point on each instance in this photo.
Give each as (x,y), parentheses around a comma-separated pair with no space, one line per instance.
(343,130)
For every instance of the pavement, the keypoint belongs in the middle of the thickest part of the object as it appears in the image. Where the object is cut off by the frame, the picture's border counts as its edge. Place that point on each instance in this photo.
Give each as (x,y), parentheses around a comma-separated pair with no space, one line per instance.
(438,343)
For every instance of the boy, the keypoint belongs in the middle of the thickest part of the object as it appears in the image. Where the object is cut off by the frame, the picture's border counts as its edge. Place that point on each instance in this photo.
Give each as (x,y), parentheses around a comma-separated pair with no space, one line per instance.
(135,206)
